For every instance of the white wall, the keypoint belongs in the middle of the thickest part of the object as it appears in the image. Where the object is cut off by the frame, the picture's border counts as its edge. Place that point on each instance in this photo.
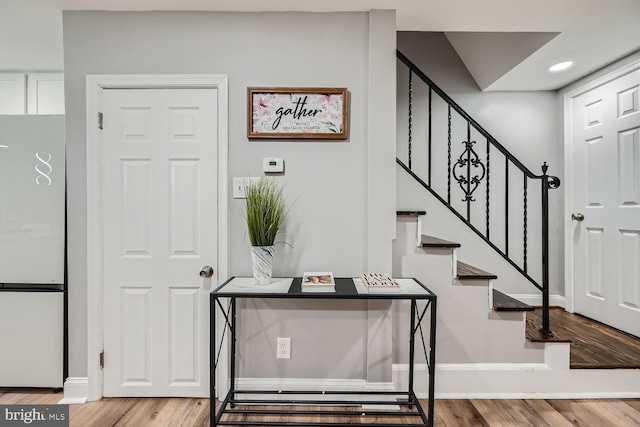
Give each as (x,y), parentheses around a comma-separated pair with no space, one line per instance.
(524,122)
(325,181)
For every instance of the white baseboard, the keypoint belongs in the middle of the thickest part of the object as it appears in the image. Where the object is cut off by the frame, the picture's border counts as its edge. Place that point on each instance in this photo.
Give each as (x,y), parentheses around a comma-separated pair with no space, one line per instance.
(76,391)
(369,386)
(312,384)
(536,299)
(520,381)
(483,367)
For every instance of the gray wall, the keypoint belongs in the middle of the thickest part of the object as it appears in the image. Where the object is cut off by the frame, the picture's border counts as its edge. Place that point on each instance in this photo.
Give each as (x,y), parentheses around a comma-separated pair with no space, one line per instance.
(325,181)
(524,122)
(31,36)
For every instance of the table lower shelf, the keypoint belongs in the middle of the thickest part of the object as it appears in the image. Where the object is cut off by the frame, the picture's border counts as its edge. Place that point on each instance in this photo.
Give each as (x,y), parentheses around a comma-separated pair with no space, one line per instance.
(236,410)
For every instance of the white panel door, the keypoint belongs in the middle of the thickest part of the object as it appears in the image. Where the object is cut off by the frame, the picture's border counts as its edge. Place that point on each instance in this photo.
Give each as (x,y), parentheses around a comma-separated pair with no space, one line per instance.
(606,176)
(159,151)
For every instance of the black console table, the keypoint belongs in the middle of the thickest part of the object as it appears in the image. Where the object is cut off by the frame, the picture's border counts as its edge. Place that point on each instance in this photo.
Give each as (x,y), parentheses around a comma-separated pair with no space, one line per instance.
(346,288)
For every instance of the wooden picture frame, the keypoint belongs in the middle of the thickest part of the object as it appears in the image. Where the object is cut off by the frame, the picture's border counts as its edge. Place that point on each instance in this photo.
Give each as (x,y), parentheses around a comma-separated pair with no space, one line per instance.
(297,113)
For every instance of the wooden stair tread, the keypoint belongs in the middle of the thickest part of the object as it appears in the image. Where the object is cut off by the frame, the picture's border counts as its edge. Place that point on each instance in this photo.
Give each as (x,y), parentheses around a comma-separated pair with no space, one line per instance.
(503,302)
(434,242)
(533,333)
(411,213)
(469,272)
(604,365)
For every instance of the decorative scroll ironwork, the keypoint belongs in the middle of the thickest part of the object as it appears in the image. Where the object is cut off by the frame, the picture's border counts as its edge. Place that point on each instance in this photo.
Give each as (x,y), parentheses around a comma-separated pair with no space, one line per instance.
(553,182)
(468,159)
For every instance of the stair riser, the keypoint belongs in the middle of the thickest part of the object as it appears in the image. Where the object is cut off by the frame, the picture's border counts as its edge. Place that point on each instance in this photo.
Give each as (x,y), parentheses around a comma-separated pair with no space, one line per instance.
(471,282)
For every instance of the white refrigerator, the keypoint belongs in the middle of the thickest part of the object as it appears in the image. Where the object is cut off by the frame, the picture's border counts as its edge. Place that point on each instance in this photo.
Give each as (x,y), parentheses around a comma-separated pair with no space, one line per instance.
(32,251)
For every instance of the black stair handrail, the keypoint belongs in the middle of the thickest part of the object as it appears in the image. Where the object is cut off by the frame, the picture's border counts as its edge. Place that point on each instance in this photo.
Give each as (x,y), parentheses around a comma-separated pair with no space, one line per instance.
(468,184)
(466,116)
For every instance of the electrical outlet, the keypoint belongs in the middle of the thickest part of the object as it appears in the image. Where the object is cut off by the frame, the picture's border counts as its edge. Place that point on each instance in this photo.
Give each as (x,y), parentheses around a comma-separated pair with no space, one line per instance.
(283,348)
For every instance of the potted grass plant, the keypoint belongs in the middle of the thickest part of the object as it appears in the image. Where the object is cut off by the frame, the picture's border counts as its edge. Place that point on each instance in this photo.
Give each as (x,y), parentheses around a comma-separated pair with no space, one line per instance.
(265,214)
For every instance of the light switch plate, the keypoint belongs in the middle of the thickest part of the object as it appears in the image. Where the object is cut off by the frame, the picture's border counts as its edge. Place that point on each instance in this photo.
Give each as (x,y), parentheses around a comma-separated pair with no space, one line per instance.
(239,183)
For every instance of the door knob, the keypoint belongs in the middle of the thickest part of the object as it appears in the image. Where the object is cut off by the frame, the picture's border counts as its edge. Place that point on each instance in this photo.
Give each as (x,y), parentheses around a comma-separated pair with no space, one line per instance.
(577,217)
(207,271)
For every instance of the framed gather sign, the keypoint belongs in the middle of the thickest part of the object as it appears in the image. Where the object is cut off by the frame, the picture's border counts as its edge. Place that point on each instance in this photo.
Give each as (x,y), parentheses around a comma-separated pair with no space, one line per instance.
(297,113)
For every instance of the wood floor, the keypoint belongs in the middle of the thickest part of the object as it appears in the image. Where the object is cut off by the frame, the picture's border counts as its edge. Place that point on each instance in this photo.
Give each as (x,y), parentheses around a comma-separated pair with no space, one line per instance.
(593,345)
(182,412)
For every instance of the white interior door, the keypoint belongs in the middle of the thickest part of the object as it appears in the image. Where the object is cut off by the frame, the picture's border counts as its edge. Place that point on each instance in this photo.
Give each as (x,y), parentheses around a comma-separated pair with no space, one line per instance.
(159,211)
(606,177)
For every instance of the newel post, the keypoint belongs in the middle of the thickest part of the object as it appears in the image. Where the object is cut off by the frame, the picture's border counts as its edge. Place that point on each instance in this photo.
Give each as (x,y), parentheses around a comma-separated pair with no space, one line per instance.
(548,182)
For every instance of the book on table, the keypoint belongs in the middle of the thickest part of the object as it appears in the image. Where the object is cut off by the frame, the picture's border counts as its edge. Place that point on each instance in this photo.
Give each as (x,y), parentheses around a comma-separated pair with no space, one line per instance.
(379,283)
(321,281)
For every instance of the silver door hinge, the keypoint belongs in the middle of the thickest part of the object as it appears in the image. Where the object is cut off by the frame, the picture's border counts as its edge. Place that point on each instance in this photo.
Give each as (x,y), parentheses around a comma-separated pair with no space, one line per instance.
(100,120)
(102,359)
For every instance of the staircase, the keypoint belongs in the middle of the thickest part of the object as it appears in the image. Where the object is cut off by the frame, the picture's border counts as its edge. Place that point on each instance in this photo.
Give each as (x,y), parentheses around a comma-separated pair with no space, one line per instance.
(482,180)
(487,346)
(462,179)
(478,326)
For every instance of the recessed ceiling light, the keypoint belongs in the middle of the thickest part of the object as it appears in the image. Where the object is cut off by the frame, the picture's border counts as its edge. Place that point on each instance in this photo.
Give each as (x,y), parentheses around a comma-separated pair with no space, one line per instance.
(4,146)
(560,66)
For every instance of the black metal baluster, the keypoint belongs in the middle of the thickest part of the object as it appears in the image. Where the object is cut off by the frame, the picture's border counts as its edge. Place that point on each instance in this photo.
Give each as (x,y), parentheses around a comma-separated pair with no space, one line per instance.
(468,172)
(506,206)
(487,201)
(449,157)
(524,237)
(410,112)
(429,142)
(547,183)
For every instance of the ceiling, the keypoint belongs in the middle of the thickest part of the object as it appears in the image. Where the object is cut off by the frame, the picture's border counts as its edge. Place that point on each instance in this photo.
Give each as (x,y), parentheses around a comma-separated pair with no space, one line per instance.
(505,44)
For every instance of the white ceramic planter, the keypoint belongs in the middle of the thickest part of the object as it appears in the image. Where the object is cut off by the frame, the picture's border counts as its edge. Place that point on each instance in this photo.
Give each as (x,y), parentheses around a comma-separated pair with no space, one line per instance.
(262,261)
